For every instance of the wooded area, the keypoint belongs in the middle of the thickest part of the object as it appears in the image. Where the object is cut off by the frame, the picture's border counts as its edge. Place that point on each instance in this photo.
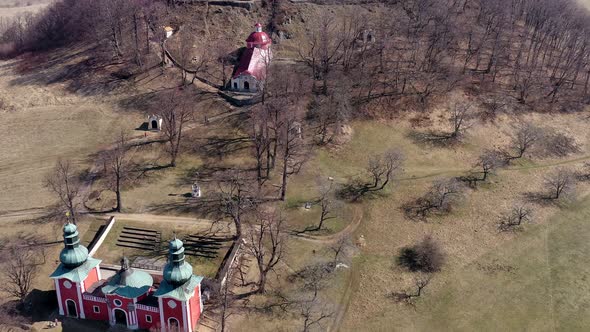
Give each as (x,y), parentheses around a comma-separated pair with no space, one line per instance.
(411,51)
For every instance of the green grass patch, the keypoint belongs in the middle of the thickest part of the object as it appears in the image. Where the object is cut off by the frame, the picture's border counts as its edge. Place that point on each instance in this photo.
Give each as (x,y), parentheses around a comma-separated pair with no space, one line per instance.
(537,282)
(111,253)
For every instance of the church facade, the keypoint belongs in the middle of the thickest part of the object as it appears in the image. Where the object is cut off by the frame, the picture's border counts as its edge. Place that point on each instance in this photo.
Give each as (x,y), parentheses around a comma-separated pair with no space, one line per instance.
(130,297)
(254,61)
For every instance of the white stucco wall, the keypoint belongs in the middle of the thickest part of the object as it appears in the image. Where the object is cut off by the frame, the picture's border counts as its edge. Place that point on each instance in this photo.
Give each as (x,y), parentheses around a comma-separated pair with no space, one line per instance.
(240,80)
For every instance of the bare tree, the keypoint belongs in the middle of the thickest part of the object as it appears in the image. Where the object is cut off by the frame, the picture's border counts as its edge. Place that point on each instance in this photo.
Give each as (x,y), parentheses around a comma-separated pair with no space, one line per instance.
(440,198)
(65,183)
(113,18)
(420,282)
(261,139)
(524,139)
(323,50)
(558,182)
(313,311)
(293,152)
(227,299)
(236,199)
(177,112)
(21,269)
(518,215)
(558,144)
(525,82)
(488,161)
(326,204)
(329,113)
(340,247)
(309,304)
(118,166)
(460,115)
(185,54)
(267,244)
(223,58)
(381,170)
(493,105)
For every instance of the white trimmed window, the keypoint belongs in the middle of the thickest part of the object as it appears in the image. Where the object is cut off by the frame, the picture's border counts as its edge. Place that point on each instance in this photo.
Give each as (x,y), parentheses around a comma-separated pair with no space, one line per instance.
(96,309)
(148,318)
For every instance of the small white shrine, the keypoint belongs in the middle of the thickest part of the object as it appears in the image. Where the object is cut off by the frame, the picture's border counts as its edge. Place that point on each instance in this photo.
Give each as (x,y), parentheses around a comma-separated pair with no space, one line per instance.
(196,190)
(155,122)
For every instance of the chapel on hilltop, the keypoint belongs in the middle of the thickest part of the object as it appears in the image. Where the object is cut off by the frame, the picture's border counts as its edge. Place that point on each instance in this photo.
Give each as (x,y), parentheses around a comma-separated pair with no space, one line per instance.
(254,62)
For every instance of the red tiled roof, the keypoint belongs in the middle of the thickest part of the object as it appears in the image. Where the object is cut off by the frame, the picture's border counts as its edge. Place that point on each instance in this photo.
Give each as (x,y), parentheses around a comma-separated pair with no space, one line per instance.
(252,62)
(259,38)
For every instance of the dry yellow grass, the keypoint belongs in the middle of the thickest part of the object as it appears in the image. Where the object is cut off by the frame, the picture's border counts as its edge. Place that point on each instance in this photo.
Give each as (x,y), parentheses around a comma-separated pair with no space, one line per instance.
(45,124)
(469,235)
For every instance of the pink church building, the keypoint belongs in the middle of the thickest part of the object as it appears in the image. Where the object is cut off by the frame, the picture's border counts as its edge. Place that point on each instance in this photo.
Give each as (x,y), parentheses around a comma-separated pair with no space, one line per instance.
(251,71)
(128,298)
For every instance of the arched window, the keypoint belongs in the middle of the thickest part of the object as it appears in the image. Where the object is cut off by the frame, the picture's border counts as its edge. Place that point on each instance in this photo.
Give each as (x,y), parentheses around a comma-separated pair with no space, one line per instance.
(173,325)
(72,310)
(246,85)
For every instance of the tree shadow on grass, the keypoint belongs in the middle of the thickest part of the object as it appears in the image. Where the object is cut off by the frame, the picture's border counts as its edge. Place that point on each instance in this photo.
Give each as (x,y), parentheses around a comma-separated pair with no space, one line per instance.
(542,198)
(357,190)
(211,173)
(48,214)
(208,208)
(219,147)
(434,138)
(143,127)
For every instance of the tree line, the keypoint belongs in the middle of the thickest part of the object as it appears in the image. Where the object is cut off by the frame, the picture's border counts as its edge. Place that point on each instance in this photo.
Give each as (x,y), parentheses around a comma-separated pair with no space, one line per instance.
(411,50)
(122,29)
(418,49)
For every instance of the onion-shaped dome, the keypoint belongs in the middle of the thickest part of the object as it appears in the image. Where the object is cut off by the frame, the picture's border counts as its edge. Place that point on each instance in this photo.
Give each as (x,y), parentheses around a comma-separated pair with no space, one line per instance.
(177,271)
(73,254)
(129,282)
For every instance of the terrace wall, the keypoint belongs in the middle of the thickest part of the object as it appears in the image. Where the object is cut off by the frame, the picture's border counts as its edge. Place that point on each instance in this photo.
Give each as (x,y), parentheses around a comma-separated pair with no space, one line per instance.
(93,248)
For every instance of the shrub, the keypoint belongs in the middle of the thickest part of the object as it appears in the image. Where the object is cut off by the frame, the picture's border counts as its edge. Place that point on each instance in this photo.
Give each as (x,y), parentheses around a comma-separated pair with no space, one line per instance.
(556,144)
(425,256)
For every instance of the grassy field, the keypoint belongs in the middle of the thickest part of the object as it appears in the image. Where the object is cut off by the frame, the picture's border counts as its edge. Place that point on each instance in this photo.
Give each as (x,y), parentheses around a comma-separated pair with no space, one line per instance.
(110,253)
(507,272)
(530,280)
(534,282)
(491,279)
(45,122)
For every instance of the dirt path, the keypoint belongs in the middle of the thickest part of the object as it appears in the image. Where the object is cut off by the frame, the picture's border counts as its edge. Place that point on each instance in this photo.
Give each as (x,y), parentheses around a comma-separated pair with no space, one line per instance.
(153,218)
(458,171)
(358,213)
(344,302)
(333,238)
